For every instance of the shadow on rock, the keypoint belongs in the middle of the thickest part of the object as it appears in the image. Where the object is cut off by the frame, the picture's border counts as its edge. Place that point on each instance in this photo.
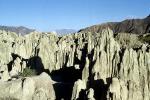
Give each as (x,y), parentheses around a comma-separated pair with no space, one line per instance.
(14,56)
(100,89)
(63,90)
(67,75)
(65,78)
(35,62)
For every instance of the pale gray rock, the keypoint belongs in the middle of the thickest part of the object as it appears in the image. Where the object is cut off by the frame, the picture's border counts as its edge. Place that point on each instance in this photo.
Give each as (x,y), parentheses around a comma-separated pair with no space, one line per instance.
(85,72)
(78,86)
(4,75)
(16,67)
(97,57)
(114,89)
(90,94)
(33,88)
(107,49)
(44,88)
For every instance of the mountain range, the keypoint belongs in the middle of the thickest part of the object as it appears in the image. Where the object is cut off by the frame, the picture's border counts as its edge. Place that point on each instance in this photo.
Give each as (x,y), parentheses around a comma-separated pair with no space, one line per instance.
(137,26)
(64,31)
(17,29)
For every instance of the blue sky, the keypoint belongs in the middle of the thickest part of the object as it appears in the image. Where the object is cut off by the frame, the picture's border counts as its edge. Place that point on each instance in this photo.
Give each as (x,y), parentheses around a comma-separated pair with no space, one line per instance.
(47,15)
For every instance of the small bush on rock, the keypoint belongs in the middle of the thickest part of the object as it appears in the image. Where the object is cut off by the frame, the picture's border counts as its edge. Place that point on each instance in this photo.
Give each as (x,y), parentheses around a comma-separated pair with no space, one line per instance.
(27,72)
(145,38)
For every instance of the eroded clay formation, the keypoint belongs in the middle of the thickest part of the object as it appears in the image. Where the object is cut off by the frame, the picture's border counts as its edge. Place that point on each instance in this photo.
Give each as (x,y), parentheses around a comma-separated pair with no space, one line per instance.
(80,66)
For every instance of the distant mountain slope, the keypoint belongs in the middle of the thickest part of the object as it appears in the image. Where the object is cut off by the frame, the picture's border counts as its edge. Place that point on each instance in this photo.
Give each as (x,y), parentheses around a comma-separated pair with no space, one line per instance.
(19,30)
(137,26)
(65,31)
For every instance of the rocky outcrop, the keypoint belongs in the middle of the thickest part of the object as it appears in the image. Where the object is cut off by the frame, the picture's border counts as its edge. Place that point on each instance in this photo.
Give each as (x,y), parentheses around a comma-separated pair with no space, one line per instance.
(33,88)
(78,87)
(123,72)
(90,94)
(4,75)
(89,66)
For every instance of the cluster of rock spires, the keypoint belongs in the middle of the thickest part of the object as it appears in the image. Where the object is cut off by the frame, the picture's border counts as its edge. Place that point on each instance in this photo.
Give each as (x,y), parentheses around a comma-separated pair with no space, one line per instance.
(81,66)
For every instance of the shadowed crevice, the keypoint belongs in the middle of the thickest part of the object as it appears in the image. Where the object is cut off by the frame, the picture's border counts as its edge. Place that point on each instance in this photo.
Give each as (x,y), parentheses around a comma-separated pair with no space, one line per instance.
(36,63)
(63,90)
(67,74)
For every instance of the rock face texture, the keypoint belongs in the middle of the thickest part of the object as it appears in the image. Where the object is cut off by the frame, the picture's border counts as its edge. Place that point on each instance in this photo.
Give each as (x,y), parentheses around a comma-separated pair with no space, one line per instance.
(33,88)
(81,66)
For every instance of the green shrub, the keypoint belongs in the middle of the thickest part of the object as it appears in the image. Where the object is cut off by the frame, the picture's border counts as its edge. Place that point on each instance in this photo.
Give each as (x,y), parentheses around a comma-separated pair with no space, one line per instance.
(145,38)
(28,72)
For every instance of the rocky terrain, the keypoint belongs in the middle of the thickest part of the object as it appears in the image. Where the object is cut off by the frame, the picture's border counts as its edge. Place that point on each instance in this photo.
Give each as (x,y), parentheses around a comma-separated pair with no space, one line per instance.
(82,66)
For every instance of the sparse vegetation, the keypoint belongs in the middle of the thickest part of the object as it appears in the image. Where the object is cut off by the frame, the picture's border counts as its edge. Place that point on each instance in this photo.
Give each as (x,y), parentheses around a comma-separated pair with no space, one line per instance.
(145,38)
(128,40)
(28,72)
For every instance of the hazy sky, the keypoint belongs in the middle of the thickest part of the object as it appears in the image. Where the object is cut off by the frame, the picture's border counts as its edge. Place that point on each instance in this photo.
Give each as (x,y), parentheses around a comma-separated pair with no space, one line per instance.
(47,15)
